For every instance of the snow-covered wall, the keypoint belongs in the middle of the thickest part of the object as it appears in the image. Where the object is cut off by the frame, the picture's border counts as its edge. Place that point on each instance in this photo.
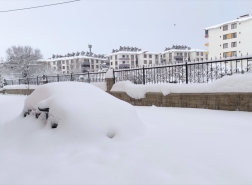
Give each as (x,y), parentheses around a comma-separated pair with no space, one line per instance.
(234,83)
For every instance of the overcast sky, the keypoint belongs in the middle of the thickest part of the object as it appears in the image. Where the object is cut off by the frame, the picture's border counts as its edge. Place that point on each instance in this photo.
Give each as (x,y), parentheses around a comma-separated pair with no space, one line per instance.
(107,25)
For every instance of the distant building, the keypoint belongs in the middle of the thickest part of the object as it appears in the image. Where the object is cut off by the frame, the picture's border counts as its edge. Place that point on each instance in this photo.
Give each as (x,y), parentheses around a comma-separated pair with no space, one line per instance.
(131,57)
(230,39)
(180,53)
(76,63)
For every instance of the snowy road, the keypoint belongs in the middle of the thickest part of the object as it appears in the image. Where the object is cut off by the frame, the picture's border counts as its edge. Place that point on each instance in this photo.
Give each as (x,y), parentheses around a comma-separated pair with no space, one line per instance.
(181,146)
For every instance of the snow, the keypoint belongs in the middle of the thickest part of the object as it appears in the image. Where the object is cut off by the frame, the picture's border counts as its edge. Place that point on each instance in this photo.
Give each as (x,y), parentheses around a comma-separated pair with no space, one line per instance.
(70,58)
(234,83)
(229,22)
(180,145)
(109,74)
(101,85)
(20,87)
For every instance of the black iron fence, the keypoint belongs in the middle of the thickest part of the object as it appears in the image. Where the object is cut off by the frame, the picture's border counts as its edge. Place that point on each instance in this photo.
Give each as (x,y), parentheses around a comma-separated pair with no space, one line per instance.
(79,77)
(193,72)
(197,72)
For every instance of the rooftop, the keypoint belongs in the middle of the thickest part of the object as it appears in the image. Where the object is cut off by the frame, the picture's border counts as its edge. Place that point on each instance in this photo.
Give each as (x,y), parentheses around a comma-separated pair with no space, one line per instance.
(240,19)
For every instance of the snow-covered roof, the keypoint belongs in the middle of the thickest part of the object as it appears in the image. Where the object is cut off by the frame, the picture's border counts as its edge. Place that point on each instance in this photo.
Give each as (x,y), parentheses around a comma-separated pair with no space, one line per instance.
(126,52)
(183,50)
(233,21)
(69,58)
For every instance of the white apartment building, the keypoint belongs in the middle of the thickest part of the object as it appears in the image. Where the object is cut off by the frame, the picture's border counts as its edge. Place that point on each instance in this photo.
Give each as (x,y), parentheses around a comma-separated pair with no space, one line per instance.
(85,62)
(179,54)
(130,57)
(230,39)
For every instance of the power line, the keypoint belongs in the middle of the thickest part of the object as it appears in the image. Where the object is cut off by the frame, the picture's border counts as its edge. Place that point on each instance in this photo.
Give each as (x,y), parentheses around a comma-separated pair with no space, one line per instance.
(39,6)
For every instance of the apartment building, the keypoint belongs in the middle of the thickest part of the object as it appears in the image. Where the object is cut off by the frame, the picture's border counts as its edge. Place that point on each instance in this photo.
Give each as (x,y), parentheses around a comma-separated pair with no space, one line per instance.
(130,57)
(85,62)
(230,39)
(181,53)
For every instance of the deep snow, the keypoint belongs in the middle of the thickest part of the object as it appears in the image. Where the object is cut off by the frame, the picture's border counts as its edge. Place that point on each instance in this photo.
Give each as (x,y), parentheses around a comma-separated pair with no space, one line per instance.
(179,146)
(234,83)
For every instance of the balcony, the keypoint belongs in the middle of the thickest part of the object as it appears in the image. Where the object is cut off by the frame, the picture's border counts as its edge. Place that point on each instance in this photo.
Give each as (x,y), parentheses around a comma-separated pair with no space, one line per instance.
(207,44)
(124,58)
(124,66)
(207,53)
(178,57)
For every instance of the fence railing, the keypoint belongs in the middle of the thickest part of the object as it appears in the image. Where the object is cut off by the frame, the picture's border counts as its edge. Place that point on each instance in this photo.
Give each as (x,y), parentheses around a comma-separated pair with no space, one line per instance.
(79,77)
(198,72)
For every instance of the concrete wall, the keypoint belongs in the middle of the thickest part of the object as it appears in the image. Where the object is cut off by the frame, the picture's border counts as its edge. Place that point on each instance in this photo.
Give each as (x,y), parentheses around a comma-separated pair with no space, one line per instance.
(19,91)
(216,101)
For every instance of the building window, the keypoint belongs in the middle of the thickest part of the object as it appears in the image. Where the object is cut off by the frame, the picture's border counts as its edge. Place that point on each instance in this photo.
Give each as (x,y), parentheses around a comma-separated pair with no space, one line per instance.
(63,62)
(170,55)
(201,54)
(197,59)
(67,67)
(234,53)
(234,35)
(150,62)
(156,56)
(116,57)
(233,26)
(54,68)
(72,61)
(53,62)
(63,67)
(145,61)
(132,57)
(225,45)
(197,53)
(123,56)
(111,63)
(92,62)
(96,61)
(145,56)
(233,44)
(225,28)
(163,55)
(225,54)
(97,66)
(185,54)
(123,62)
(150,56)
(67,62)
(116,63)
(225,37)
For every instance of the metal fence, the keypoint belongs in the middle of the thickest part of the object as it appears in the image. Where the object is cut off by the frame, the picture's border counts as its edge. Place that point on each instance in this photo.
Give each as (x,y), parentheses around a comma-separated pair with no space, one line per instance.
(193,72)
(197,72)
(80,77)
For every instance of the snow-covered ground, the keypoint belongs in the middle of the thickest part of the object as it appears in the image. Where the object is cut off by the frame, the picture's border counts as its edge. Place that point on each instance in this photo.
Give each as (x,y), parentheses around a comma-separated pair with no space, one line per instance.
(177,146)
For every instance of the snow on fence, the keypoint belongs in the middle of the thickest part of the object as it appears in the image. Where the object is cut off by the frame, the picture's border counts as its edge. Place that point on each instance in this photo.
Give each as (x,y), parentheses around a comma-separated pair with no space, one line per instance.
(197,72)
(80,77)
(182,73)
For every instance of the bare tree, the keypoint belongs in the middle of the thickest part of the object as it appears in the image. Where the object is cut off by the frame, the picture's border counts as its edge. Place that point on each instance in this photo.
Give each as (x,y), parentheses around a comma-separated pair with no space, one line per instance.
(23,59)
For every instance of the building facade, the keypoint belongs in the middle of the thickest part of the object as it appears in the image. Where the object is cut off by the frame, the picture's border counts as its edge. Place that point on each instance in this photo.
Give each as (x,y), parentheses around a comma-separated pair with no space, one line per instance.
(85,62)
(131,57)
(179,54)
(230,39)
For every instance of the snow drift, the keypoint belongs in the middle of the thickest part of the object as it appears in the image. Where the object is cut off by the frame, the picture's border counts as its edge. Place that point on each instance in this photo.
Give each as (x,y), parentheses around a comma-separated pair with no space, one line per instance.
(234,83)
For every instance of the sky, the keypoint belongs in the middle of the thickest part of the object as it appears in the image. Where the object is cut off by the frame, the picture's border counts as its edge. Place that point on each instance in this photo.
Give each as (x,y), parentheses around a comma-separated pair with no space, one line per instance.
(108,24)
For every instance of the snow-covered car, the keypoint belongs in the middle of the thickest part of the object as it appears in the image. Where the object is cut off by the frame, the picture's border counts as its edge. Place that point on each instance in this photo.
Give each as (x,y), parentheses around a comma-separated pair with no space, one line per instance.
(82,108)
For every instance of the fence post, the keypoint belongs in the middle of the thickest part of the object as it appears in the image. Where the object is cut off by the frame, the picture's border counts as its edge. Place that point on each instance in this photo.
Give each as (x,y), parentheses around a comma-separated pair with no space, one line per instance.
(19,81)
(46,79)
(58,77)
(37,80)
(71,76)
(143,75)
(88,77)
(186,73)
(11,82)
(114,76)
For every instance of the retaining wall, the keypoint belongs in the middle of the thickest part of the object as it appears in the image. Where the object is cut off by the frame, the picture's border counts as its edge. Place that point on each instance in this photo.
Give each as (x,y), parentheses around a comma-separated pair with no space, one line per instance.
(216,101)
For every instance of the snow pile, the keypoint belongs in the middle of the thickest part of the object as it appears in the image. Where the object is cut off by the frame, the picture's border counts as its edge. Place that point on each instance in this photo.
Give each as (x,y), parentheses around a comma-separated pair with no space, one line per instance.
(200,147)
(234,83)
(109,74)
